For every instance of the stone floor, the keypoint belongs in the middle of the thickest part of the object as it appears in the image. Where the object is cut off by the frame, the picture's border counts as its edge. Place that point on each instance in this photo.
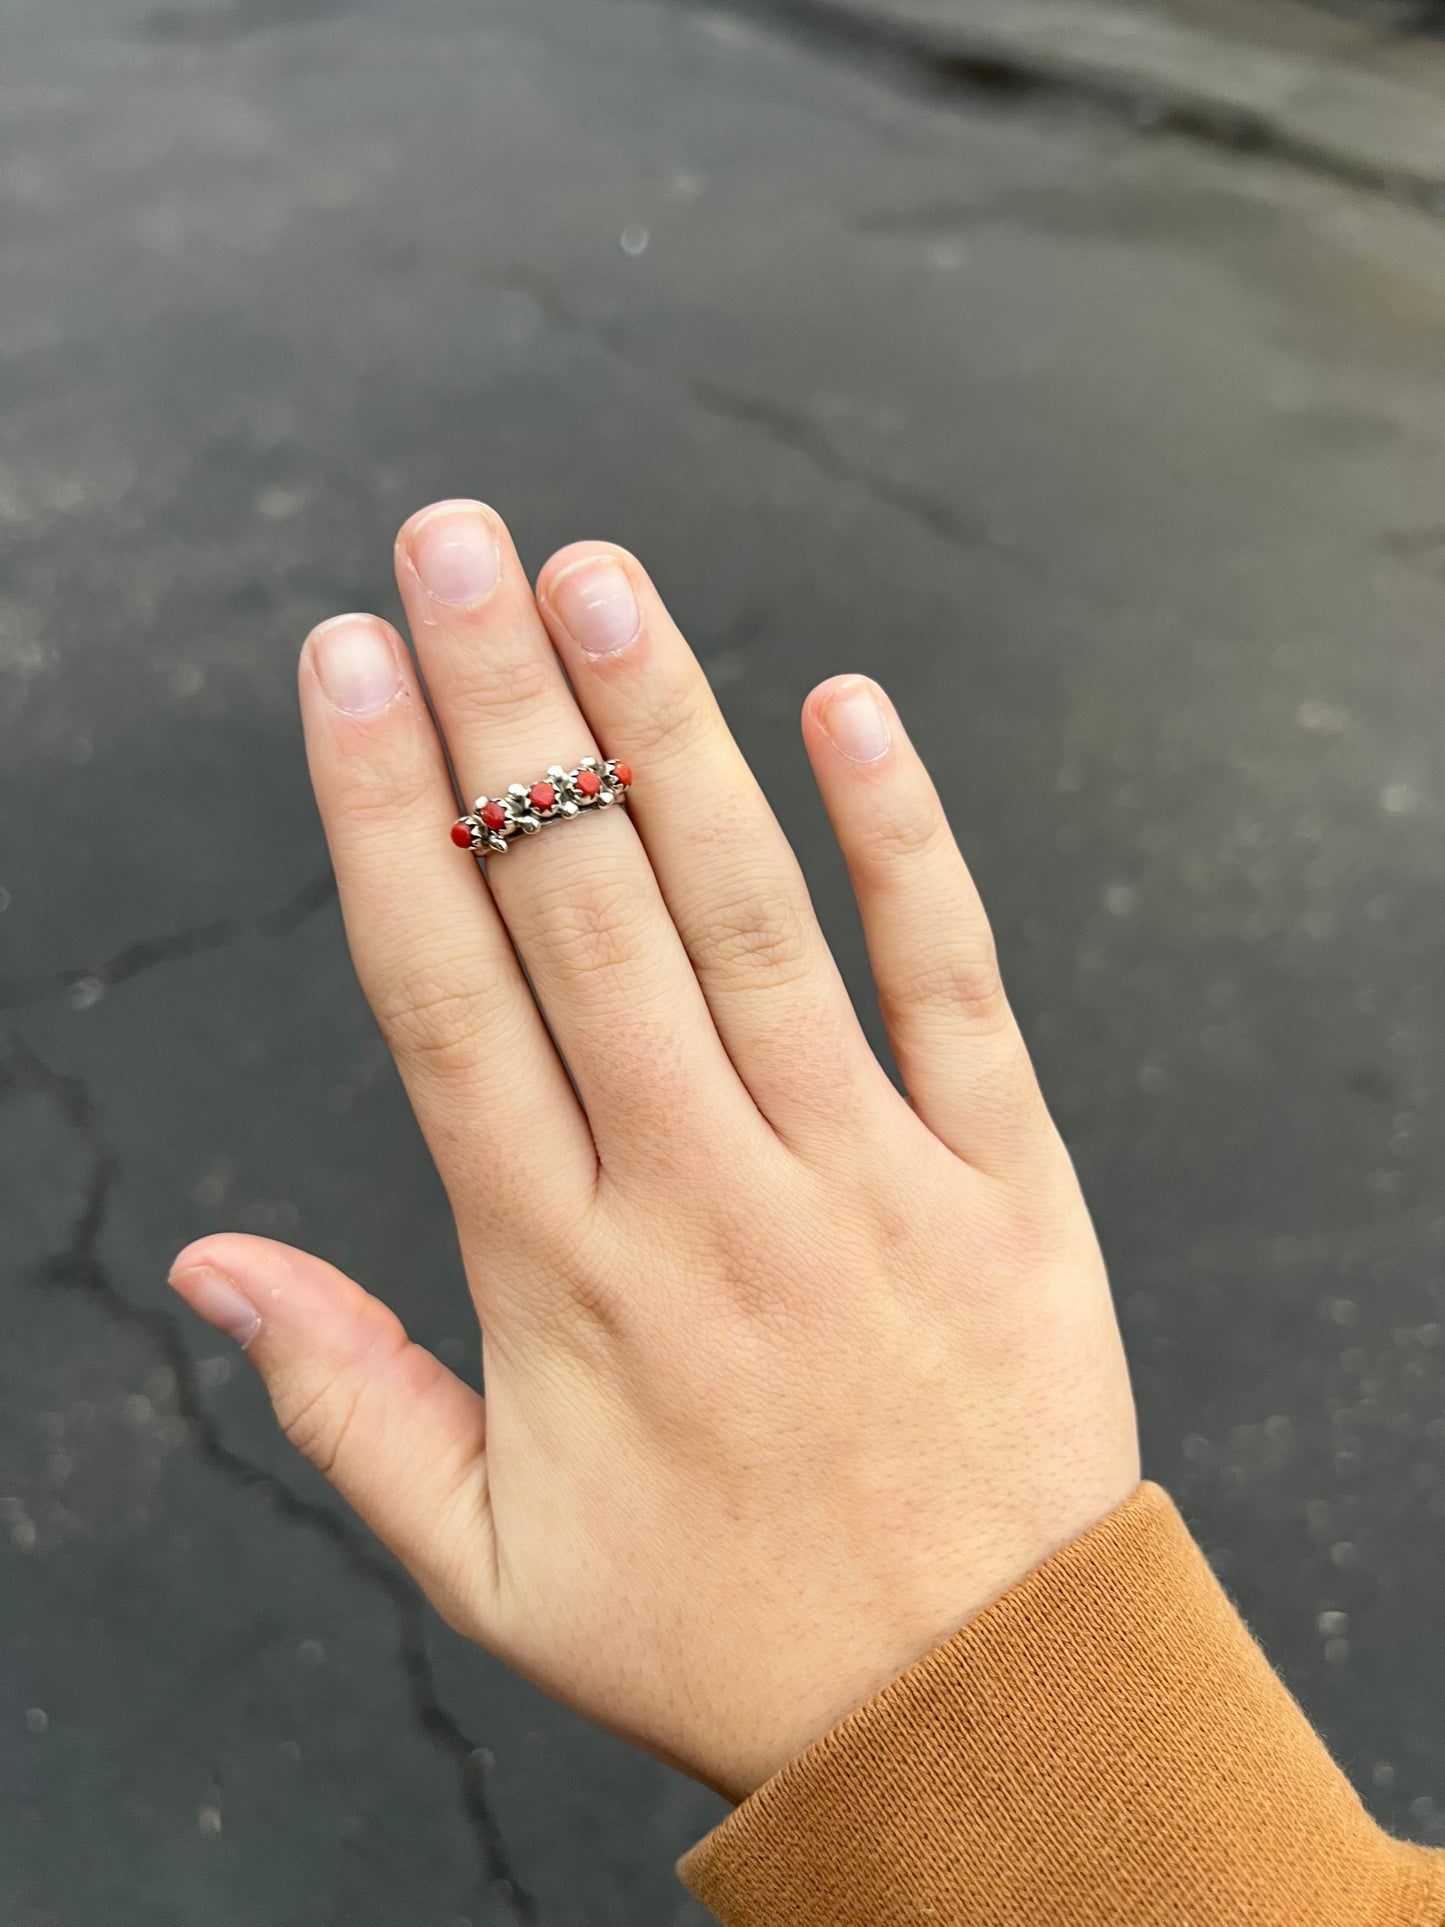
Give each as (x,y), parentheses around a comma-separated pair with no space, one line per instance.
(1118,457)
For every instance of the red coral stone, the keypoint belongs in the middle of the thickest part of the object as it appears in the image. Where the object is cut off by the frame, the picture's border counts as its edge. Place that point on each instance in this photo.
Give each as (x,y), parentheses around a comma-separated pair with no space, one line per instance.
(462,836)
(623,773)
(541,796)
(494,815)
(588,782)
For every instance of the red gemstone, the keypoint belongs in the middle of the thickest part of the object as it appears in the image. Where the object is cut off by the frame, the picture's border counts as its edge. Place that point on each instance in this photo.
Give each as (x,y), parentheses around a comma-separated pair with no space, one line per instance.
(494,815)
(462,835)
(541,796)
(623,773)
(588,782)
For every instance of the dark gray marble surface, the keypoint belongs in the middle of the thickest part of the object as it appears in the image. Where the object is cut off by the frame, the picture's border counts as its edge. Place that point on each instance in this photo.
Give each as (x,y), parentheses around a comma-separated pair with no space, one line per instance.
(1119,459)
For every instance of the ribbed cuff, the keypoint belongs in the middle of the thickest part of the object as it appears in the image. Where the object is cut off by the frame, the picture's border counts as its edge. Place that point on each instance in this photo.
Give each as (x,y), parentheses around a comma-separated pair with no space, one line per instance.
(1105,1746)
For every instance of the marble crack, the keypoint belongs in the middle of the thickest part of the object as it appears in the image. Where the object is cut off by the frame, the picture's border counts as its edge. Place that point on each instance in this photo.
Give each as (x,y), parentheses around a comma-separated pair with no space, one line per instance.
(148,952)
(795,431)
(787,428)
(79,1266)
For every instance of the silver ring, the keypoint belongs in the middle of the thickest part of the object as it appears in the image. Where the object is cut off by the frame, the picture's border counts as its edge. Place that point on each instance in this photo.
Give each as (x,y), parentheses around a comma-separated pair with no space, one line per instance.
(495,821)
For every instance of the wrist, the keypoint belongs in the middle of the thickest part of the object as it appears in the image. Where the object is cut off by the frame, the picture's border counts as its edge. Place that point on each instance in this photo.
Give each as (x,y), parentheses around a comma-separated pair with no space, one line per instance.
(1105,1744)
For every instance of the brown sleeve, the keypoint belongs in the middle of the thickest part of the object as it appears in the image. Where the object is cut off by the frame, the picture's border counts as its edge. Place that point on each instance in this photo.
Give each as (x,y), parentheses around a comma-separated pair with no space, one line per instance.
(1105,1746)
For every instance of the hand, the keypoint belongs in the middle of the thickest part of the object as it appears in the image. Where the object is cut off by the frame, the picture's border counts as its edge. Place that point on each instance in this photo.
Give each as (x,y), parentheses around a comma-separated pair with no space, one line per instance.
(787,1376)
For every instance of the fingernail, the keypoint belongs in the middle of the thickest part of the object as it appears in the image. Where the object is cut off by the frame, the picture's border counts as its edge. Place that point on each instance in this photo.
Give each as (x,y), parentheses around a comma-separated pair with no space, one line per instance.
(218,1301)
(355,664)
(595,601)
(455,553)
(854,719)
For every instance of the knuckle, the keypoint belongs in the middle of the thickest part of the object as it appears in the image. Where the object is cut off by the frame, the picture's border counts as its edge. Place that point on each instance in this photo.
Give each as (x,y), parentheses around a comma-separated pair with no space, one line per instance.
(378,793)
(589,925)
(672,719)
(503,684)
(754,933)
(431,1012)
(897,831)
(318,1425)
(318,1412)
(963,986)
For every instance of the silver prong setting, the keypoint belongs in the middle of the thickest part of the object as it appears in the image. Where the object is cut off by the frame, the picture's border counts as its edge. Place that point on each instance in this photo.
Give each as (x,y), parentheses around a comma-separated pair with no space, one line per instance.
(495,822)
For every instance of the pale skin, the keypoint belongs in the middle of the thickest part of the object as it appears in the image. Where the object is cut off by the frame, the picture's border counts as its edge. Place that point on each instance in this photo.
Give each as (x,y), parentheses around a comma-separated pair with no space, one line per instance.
(788,1375)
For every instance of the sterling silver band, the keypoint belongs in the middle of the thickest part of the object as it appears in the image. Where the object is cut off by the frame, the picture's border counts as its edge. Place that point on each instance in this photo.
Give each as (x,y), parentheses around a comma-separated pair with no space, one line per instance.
(495,821)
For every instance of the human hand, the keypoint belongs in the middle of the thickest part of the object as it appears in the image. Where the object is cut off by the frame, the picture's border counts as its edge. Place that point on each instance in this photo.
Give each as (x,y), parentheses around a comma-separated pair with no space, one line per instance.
(787,1376)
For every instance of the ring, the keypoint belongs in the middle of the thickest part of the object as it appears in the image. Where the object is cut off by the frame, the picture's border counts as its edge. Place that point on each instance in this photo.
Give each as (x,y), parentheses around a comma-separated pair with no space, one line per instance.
(495,821)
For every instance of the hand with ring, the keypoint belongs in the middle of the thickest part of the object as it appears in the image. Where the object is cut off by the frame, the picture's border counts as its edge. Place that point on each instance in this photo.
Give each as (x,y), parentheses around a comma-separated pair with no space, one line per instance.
(787,1374)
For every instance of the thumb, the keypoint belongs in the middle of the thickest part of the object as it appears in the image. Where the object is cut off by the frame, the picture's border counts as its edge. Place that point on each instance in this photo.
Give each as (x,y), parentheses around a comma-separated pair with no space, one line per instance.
(400,1437)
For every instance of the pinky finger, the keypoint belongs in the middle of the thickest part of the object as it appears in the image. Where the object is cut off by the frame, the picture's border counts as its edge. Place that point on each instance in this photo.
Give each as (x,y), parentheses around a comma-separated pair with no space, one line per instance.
(400,1437)
(957,1047)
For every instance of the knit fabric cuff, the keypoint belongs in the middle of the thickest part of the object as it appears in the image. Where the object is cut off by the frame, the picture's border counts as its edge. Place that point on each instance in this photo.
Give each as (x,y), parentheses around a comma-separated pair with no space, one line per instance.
(1105,1746)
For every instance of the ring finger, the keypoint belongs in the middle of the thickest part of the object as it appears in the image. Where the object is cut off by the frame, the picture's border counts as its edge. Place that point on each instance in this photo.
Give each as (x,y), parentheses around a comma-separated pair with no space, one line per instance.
(730,879)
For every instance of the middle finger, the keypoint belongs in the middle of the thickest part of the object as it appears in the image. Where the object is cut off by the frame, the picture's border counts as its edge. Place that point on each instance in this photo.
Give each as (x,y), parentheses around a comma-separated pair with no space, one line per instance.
(580,900)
